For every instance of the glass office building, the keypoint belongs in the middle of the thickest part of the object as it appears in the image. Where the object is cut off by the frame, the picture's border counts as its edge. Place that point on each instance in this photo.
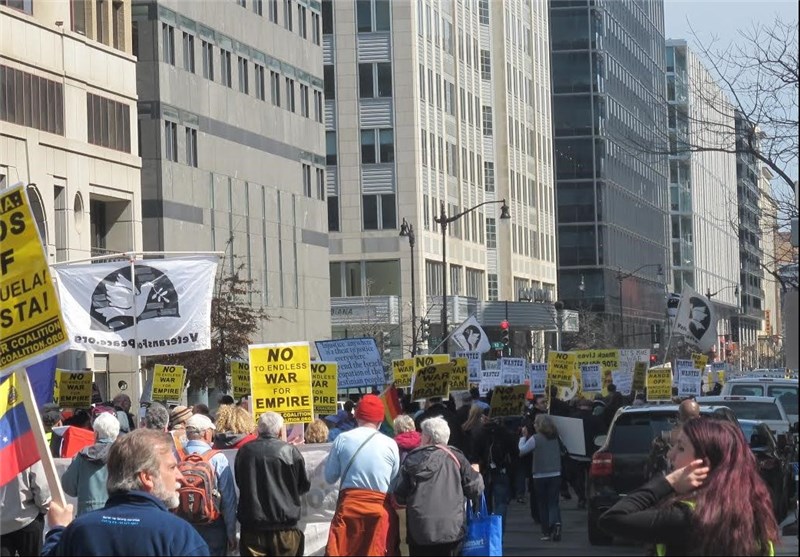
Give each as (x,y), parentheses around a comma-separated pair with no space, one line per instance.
(610,124)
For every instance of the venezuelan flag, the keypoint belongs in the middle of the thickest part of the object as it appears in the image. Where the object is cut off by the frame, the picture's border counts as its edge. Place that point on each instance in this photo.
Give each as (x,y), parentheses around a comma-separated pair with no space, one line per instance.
(391,406)
(17,445)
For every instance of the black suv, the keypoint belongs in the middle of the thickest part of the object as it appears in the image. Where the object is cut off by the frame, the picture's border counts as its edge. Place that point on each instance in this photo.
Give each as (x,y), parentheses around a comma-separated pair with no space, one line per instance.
(622,463)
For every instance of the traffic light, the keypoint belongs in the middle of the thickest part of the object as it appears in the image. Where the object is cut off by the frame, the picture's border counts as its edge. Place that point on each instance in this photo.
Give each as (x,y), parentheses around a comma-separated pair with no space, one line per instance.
(424,329)
(653,359)
(386,343)
(655,333)
(504,333)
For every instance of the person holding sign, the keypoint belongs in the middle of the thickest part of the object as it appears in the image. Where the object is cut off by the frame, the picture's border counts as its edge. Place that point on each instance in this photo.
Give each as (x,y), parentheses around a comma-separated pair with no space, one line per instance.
(366,462)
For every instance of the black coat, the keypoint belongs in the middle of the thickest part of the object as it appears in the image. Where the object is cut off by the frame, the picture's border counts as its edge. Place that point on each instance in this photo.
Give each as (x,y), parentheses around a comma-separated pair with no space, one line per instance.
(271,476)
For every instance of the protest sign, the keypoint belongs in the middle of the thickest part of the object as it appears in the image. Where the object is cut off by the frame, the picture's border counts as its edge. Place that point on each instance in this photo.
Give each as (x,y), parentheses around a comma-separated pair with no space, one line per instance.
(700,361)
(431,381)
(561,368)
(623,381)
(31,325)
(168,382)
(719,369)
(538,378)
(490,378)
(402,372)
(74,388)
(323,385)
(473,365)
(607,359)
(659,384)
(507,400)
(689,378)
(430,360)
(512,371)
(639,376)
(591,378)
(458,375)
(628,357)
(359,360)
(280,381)
(240,378)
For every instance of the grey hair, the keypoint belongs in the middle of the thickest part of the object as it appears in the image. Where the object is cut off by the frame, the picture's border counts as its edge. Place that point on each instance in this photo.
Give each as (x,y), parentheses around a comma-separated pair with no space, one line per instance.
(403,423)
(156,417)
(138,451)
(106,426)
(270,423)
(436,429)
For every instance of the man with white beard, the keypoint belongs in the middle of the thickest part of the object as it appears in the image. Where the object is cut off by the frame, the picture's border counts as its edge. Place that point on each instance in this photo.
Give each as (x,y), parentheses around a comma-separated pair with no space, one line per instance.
(142,486)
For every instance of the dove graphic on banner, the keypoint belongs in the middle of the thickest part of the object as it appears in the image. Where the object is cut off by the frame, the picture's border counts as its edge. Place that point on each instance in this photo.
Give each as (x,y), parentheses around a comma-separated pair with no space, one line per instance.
(696,319)
(471,337)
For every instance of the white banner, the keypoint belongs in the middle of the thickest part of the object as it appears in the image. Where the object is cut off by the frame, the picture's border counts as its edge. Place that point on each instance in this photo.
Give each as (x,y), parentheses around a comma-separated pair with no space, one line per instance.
(473,365)
(696,319)
(470,336)
(164,309)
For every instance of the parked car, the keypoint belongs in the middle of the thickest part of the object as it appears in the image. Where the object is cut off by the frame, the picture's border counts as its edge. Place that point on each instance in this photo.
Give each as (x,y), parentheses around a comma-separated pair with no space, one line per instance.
(784,390)
(772,455)
(621,462)
(766,409)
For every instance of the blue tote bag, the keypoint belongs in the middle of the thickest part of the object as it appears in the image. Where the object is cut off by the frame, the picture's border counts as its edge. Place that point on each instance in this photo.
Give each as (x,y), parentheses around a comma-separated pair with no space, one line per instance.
(484,532)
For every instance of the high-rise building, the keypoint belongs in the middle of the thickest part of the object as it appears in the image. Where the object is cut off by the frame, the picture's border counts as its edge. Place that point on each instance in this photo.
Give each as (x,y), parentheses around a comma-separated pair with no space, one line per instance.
(68,113)
(433,109)
(609,117)
(232,142)
(702,185)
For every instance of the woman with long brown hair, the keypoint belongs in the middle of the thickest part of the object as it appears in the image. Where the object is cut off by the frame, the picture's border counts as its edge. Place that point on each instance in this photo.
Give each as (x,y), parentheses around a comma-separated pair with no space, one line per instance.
(713,502)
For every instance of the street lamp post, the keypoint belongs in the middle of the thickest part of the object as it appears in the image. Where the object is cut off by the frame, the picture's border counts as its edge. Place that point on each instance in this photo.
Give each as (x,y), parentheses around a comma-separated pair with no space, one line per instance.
(407,230)
(621,277)
(443,220)
(559,307)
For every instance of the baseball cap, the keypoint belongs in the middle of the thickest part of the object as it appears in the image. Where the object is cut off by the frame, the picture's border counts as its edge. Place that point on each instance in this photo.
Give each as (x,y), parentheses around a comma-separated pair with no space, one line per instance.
(199,422)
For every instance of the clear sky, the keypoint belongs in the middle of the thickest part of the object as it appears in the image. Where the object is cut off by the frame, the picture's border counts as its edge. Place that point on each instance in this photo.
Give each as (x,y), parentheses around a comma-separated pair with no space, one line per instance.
(722,18)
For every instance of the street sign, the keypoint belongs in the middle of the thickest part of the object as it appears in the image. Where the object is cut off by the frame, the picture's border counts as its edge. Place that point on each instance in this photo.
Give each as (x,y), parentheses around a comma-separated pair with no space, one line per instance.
(497,345)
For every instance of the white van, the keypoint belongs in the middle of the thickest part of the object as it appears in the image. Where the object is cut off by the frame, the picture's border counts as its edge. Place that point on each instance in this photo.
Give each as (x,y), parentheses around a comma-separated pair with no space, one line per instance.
(785,390)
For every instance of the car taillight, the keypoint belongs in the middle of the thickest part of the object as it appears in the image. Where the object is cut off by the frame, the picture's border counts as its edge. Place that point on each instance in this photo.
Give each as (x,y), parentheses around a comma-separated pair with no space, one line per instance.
(602,465)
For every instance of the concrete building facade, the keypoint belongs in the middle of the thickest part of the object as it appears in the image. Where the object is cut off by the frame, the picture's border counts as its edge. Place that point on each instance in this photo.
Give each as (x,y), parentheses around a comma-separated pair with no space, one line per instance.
(434,108)
(231,116)
(68,114)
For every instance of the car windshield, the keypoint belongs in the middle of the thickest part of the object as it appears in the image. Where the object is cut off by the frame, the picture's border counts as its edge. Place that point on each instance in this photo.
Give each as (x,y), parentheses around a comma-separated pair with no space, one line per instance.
(748,390)
(634,432)
(748,410)
(787,394)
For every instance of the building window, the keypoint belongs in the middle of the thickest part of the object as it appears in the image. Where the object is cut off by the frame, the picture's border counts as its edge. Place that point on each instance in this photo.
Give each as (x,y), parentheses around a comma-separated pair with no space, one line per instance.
(486,65)
(287,14)
(315,29)
(483,12)
(31,101)
(208,59)
(273,10)
(375,80)
(168,43)
(25,6)
(372,15)
(320,184)
(488,175)
(260,83)
(491,233)
(191,147)
(318,111)
(242,3)
(225,67)
(302,28)
(171,141)
(275,87)
(290,94)
(424,147)
(258,7)
(108,123)
(330,148)
(333,214)
(244,82)
(380,212)
(327,17)
(433,278)
(307,180)
(377,146)
(487,120)
(491,282)
(475,283)
(304,100)
(188,52)
(329,80)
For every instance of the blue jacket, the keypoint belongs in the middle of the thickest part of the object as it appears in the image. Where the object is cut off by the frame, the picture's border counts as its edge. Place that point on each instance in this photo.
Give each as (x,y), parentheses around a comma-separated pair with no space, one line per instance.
(86,476)
(131,523)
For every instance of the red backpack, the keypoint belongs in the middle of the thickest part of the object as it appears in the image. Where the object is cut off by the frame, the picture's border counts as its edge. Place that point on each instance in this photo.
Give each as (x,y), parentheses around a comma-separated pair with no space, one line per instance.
(199,497)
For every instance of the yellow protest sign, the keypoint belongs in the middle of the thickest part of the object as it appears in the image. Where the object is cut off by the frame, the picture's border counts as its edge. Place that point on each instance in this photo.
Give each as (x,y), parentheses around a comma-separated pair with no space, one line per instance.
(659,384)
(639,376)
(699,361)
(240,378)
(74,388)
(607,359)
(458,375)
(280,381)
(432,381)
(31,327)
(561,368)
(403,372)
(507,400)
(323,384)
(168,382)
(430,360)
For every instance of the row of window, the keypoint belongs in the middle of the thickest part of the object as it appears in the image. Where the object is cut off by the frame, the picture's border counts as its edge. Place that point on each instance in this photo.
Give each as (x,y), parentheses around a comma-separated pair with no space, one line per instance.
(378,212)
(108,123)
(377,146)
(171,143)
(31,101)
(473,287)
(471,162)
(291,14)
(309,183)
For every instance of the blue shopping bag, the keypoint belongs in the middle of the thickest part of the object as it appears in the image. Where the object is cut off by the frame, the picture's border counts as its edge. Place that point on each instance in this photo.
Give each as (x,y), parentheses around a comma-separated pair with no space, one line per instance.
(484,532)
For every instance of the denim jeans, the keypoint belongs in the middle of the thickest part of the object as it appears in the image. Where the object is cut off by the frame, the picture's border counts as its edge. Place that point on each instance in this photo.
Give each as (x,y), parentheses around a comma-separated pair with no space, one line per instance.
(498,494)
(547,492)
